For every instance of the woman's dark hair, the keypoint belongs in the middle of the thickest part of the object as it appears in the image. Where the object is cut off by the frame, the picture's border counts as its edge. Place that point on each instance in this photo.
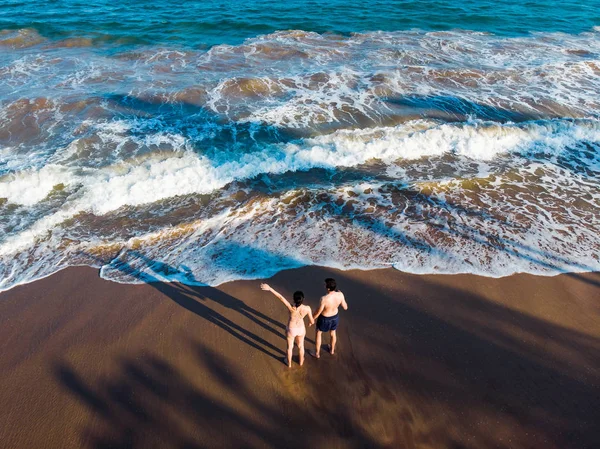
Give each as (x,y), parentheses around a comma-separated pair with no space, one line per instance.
(330,284)
(298,298)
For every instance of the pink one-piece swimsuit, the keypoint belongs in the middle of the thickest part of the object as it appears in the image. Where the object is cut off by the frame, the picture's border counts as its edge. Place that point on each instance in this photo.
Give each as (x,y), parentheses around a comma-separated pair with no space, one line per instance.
(298,330)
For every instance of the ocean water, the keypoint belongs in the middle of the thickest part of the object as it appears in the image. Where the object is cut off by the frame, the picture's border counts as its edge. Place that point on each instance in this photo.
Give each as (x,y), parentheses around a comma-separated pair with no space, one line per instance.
(204,142)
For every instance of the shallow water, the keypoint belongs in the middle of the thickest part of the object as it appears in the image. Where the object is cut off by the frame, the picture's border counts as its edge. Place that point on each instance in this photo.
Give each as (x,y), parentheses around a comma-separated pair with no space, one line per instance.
(199,152)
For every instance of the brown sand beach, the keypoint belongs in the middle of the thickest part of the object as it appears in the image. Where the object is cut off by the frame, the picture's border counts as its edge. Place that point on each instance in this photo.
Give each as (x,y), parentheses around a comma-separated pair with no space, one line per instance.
(423,362)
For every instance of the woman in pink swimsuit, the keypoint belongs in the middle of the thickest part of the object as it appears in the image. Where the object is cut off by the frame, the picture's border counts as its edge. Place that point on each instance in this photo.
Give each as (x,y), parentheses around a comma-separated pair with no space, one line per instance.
(295,328)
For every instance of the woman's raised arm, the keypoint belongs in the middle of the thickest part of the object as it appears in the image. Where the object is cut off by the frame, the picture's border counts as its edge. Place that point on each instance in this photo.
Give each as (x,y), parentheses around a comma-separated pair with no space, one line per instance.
(267,287)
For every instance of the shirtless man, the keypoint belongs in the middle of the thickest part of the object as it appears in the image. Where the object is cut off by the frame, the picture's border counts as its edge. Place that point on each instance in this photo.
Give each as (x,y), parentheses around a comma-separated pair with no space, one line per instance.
(327,316)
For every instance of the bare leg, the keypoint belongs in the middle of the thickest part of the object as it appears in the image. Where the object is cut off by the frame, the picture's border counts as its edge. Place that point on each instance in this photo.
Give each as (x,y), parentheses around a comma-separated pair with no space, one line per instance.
(300,343)
(333,341)
(290,350)
(318,344)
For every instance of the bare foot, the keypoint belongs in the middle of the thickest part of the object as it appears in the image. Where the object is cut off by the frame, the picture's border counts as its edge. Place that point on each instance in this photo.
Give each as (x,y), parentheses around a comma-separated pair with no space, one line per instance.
(287,362)
(316,355)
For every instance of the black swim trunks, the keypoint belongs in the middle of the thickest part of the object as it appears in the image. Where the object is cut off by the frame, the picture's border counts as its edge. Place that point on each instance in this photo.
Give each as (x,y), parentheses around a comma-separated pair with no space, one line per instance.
(328,323)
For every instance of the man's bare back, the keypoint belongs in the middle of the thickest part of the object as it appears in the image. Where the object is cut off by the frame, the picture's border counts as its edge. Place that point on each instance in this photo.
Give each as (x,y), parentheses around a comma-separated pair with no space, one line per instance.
(331,303)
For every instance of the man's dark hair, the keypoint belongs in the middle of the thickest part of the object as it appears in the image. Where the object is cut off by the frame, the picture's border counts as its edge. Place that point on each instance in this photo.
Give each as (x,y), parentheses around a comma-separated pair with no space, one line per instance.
(298,298)
(330,284)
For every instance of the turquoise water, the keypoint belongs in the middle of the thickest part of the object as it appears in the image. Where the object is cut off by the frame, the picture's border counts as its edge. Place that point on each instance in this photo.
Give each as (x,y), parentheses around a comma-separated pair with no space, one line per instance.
(204,142)
(207,23)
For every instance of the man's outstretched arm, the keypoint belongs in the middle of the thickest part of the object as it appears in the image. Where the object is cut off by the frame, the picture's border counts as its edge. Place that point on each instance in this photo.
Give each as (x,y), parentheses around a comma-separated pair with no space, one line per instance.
(320,310)
(344,303)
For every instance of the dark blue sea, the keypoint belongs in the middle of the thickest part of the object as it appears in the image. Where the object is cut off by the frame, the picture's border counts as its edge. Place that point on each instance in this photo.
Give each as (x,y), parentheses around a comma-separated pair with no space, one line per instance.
(210,141)
(202,24)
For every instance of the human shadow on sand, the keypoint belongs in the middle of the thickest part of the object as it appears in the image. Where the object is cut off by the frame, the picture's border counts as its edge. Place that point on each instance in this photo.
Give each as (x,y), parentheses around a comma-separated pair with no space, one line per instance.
(197,298)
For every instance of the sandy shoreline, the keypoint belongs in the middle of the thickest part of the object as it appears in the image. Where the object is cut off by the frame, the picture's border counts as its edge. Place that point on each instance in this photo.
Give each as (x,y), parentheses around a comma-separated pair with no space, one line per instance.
(424,362)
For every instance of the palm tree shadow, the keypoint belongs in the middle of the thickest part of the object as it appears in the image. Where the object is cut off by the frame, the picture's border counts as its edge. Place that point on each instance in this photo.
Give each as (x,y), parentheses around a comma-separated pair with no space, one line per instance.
(148,402)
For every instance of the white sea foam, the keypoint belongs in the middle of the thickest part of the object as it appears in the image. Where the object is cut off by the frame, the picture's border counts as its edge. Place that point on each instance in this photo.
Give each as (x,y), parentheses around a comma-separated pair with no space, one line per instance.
(182,173)
(278,233)
(101,191)
(32,186)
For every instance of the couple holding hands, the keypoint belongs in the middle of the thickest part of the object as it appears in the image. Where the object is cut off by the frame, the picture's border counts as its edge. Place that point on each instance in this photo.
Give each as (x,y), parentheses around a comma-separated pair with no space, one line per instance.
(327,318)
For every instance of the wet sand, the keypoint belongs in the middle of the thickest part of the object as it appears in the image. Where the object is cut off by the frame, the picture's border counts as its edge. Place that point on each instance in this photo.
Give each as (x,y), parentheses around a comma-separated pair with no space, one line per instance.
(423,362)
